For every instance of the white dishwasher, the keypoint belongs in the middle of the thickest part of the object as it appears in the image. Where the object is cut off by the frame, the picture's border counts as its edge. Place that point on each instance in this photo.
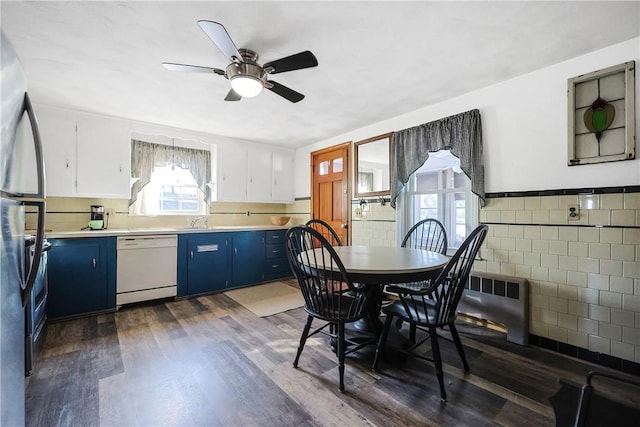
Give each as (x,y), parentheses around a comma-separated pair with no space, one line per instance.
(146,268)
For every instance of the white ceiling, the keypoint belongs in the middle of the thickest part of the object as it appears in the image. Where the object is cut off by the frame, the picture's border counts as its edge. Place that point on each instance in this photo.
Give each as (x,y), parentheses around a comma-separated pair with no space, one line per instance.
(376,59)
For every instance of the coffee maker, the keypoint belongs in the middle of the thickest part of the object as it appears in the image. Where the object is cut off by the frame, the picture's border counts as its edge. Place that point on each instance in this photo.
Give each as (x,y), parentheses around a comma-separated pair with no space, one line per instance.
(97,218)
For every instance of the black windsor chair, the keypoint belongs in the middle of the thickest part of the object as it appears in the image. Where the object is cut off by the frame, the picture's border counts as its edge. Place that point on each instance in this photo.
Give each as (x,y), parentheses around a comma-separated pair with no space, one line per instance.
(428,234)
(322,276)
(435,306)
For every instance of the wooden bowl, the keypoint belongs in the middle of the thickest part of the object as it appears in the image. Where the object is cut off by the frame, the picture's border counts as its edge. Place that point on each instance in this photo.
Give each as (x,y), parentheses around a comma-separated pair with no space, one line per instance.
(279,220)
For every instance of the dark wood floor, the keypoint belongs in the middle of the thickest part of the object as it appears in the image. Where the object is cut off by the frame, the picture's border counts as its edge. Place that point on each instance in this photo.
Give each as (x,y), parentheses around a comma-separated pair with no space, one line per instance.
(208,361)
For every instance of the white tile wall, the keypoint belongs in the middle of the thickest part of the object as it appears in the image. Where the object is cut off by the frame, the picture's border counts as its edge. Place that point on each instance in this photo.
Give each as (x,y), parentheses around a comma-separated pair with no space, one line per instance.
(373,226)
(585,281)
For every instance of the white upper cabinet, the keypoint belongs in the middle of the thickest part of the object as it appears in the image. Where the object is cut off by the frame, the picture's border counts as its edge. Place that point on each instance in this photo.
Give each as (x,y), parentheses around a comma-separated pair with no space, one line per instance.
(232,173)
(258,174)
(282,177)
(254,174)
(104,166)
(58,133)
(85,155)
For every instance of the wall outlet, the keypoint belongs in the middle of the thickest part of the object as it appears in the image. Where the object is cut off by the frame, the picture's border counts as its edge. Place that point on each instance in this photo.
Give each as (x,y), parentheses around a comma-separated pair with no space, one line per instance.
(573,212)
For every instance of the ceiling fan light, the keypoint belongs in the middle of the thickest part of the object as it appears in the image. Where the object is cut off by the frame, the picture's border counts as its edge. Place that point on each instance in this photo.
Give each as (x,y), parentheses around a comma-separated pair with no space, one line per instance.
(246,86)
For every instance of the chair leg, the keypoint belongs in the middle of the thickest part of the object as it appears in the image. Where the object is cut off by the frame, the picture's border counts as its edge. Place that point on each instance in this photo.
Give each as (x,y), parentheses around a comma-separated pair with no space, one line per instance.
(437,360)
(303,339)
(458,343)
(412,333)
(341,351)
(382,341)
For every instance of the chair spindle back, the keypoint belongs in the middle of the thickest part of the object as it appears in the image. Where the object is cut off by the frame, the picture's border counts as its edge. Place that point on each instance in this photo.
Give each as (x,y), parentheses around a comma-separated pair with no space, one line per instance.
(326,230)
(440,300)
(428,234)
(322,277)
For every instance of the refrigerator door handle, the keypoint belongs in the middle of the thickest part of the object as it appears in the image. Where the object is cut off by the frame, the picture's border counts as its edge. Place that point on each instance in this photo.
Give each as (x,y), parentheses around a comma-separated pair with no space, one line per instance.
(40,194)
(37,250)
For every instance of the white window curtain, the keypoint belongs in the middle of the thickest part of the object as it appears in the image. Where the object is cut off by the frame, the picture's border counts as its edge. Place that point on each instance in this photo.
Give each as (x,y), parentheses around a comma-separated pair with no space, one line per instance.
(145,156)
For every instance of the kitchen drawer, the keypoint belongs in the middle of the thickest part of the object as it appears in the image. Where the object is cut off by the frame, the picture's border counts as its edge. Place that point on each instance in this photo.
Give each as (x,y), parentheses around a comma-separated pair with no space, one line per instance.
(277,268)
(275,251)
(275,236)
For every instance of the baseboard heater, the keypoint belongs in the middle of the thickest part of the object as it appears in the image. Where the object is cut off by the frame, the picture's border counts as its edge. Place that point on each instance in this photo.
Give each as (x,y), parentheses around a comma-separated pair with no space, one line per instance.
(501,299)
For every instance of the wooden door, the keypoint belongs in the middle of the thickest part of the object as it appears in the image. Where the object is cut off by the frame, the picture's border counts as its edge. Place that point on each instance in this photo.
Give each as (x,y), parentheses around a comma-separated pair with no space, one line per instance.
(330,196)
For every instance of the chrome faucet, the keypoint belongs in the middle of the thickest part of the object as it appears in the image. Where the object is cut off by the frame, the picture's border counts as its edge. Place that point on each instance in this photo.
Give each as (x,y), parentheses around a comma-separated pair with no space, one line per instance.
(194,220)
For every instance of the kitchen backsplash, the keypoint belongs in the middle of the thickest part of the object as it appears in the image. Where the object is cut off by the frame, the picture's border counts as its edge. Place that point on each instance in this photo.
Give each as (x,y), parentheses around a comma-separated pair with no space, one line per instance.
(373,224)
(72,214)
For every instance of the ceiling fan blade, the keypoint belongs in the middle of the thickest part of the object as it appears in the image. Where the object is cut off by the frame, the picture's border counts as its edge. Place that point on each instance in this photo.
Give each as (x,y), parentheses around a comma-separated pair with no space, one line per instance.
(232,96)
(298,61)
(191,68)
(219,36)
(285,92)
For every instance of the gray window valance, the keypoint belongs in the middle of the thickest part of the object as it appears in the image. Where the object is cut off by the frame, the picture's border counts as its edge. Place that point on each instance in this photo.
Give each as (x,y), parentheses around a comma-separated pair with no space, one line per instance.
(147,155)
(462,134)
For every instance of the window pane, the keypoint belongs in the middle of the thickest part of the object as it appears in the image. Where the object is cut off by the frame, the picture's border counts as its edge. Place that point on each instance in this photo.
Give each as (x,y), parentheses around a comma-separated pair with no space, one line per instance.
(337,165)
(440,190)
(168,205)
(178,190)
(173,188)
(426,181)
(461,234)
(428,204)
(324,168)
(189,205)
(461,180)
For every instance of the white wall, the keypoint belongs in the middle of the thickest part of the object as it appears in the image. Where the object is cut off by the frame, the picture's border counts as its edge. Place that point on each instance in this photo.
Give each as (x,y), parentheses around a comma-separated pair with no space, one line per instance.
(524,124)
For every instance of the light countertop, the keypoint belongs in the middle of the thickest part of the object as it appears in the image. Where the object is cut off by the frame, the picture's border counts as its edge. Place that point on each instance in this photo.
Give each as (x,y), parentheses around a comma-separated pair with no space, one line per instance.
(158,231)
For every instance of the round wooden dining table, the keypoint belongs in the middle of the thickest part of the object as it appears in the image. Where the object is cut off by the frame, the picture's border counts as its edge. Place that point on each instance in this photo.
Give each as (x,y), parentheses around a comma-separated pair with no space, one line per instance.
(376,266)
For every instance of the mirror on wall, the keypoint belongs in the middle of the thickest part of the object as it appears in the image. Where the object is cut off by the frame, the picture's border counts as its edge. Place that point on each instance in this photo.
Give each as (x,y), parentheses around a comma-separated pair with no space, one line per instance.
(372,166)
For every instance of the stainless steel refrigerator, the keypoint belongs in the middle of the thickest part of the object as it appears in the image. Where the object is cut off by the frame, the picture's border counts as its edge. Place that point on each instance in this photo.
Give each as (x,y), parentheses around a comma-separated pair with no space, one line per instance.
(21,188)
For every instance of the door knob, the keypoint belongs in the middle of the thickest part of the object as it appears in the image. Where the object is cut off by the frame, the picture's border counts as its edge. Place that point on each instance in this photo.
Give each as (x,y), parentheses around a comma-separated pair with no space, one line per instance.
(344,225)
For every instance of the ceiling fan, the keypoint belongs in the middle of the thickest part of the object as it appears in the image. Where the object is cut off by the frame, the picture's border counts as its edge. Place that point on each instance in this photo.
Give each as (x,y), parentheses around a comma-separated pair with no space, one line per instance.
(247,77)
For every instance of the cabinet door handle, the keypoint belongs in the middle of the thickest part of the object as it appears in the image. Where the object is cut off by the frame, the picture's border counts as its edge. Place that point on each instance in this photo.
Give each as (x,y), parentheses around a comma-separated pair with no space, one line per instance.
(275,251)
(191,254)
(93,262)
(235,250)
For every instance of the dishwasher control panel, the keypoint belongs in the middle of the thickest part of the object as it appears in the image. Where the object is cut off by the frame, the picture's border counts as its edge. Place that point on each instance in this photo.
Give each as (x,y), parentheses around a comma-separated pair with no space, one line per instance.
(132,242)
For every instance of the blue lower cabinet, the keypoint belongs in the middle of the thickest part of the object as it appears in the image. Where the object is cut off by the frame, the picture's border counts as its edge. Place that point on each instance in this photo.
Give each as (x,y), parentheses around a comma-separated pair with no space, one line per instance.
(81,274)
(276,263)
(248,257)
(204,263)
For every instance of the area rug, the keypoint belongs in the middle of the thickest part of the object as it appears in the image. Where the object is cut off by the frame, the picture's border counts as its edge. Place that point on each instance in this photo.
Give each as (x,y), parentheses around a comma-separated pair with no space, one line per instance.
(268,299)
